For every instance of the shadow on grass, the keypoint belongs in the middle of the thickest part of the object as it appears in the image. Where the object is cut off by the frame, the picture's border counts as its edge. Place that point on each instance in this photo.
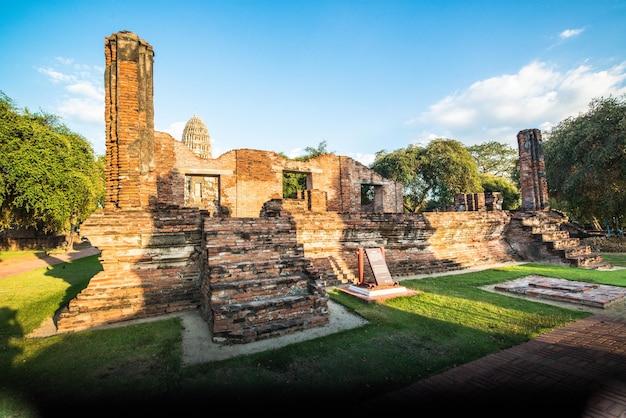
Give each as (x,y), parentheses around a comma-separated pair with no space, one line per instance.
(407,340)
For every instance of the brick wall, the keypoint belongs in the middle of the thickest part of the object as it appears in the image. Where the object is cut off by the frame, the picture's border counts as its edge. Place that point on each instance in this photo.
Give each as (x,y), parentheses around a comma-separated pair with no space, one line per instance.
(152,265)
(249,178)
(413,243)
(257,268)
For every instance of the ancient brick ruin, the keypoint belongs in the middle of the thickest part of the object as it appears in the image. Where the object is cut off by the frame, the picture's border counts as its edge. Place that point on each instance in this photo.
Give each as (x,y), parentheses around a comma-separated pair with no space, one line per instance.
(182,231)
(532,170)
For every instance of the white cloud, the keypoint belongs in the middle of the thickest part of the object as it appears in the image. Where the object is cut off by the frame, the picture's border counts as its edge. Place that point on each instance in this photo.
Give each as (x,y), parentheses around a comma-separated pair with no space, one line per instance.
(80,104)
(86,89)
(365,159)
(81,109)
(55,76)
(65,61)
(536,96)
(568,33)
(295,153)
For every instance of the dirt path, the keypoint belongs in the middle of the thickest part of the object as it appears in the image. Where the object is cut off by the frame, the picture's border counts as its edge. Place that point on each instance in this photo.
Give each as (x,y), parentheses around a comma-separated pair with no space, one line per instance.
(21,265)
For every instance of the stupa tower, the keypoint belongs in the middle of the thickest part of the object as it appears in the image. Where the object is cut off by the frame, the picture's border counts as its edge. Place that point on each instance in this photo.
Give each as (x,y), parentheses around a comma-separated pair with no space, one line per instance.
(196,136)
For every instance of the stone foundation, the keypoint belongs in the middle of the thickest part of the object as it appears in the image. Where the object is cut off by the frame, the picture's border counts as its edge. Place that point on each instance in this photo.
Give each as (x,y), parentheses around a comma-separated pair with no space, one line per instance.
(152,265)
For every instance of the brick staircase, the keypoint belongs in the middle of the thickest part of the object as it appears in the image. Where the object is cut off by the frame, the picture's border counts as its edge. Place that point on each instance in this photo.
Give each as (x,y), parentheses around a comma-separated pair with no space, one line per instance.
(333,269)
(260,284)
(545,227)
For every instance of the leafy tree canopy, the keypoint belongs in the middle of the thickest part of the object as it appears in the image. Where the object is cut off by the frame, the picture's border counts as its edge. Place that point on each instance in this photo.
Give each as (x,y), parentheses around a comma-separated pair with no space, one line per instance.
(433,173)
(510,193)
(585,158)
(312,152)
(496,158)
(49,178)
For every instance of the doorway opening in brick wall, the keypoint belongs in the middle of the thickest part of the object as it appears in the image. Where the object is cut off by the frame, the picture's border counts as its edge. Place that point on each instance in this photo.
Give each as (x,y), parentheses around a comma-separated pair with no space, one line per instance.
(295,183)
(202,191)
(371,198)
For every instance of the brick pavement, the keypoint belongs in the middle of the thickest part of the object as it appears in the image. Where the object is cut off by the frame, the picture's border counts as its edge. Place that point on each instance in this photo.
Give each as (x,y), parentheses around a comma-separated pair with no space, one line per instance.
(578,370)
(570,291)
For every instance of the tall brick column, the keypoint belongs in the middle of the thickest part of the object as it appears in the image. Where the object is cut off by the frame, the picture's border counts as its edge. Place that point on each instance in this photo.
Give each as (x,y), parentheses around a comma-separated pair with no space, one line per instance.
(129,118)
(532,170)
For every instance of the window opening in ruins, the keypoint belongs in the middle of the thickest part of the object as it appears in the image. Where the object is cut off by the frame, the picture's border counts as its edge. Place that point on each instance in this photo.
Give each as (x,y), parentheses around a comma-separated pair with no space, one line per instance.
(203,192)
(294,184)
(371,198)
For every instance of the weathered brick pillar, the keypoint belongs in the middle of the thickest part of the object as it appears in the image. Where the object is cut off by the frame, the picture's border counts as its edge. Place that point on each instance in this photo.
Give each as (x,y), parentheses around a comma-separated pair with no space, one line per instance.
(129,118)
(532,170)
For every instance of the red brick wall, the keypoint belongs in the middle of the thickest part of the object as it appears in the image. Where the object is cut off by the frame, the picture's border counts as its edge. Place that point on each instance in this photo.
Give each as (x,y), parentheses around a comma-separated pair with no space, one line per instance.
(413,243)
(152,265)
(249,178)
(254,263)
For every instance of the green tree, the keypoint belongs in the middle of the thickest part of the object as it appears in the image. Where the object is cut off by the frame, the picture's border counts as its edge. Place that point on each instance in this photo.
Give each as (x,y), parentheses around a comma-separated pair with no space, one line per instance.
(403,165)
(585,159)
(498,167)
(433,174)
(49,178)
(311,152)
(495,158)
(510,193)
(293,183)
(450,169)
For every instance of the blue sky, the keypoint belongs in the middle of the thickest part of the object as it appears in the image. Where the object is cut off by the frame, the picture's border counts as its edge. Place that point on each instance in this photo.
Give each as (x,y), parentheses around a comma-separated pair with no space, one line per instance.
(363,76)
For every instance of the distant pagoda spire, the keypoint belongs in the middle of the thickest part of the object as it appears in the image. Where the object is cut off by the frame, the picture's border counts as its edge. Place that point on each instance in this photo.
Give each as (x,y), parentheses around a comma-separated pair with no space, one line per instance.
(196,136)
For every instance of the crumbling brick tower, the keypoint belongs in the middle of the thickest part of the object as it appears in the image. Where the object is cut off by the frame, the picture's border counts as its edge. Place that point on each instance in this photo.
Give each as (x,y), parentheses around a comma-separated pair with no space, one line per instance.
(129,118)
(151,254)
(532,170)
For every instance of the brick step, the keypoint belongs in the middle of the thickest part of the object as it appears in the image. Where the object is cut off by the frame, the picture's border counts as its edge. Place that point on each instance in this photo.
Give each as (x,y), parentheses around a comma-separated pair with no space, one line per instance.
(538,222)
(239,323)
(245,291)
(571,252)
(586,260)
(550,236)
(342,271)
(252,270)
(332,269)
(546,228)
(600,266)
(539,229)
(254,252)
(562,244)
(338,277)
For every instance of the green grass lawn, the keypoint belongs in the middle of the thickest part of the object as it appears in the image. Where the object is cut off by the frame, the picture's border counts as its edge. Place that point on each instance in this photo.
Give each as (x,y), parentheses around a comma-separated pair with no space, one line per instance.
(451,321)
